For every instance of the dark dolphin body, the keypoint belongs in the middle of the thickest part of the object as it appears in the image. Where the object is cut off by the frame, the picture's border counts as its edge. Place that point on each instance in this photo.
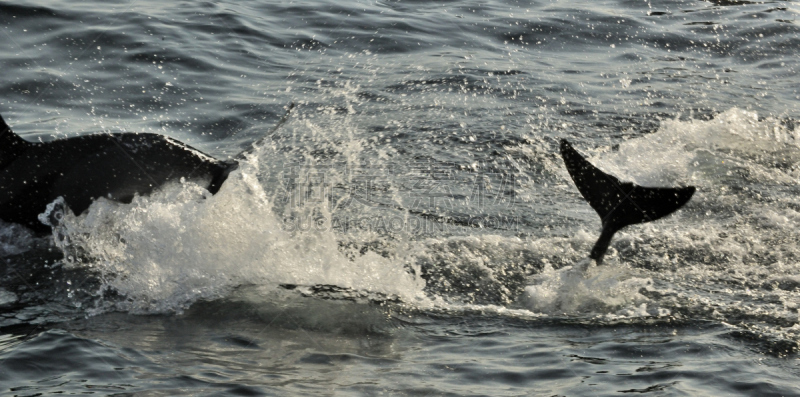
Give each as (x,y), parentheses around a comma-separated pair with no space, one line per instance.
(618,203)
(84,168)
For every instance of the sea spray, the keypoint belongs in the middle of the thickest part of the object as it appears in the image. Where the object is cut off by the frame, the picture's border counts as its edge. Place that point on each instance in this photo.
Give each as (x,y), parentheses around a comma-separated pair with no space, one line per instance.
(165,251)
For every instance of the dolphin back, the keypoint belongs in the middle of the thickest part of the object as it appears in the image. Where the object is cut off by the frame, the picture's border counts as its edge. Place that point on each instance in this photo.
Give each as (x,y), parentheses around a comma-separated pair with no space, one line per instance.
(82,169)
(11,144)
(618,203)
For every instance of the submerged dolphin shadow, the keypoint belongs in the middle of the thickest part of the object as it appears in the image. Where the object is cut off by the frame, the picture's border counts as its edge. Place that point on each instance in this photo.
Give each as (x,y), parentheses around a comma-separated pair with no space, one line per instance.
(82,169)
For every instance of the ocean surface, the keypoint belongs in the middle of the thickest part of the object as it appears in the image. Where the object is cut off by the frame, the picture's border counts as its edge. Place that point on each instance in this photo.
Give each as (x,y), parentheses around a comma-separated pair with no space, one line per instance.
(411,230)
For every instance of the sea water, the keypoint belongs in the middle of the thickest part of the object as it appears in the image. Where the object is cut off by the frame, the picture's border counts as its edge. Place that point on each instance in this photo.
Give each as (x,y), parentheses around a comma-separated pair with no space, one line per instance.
(411,229)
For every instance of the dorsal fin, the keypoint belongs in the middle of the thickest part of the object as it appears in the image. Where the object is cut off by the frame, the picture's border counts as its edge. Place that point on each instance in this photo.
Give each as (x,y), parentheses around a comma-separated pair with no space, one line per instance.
(11,145)
(618,203)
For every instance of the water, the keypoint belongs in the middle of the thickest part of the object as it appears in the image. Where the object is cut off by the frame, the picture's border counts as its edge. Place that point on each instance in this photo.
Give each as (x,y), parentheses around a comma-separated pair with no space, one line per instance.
(411,229)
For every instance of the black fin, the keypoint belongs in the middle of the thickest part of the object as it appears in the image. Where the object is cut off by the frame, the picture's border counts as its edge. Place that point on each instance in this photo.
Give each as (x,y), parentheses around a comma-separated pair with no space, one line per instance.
(618,203)
(11,145)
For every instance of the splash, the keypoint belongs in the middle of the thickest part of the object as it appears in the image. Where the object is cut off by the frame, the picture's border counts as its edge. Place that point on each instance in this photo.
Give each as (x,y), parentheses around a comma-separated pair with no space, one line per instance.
(691,152)
(163,252)
(584,288)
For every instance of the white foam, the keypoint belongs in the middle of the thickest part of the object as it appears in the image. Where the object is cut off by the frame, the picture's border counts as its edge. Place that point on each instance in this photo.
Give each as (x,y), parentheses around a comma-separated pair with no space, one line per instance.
(181,244)
(689,152)
(586,288)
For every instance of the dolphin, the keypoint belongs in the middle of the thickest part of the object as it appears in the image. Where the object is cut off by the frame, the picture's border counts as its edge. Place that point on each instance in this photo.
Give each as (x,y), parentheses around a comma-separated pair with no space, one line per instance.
(618,203)
(82,169)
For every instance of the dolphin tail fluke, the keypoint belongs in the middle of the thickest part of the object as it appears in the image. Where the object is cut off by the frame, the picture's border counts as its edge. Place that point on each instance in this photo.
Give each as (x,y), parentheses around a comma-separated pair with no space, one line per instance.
(618,203)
